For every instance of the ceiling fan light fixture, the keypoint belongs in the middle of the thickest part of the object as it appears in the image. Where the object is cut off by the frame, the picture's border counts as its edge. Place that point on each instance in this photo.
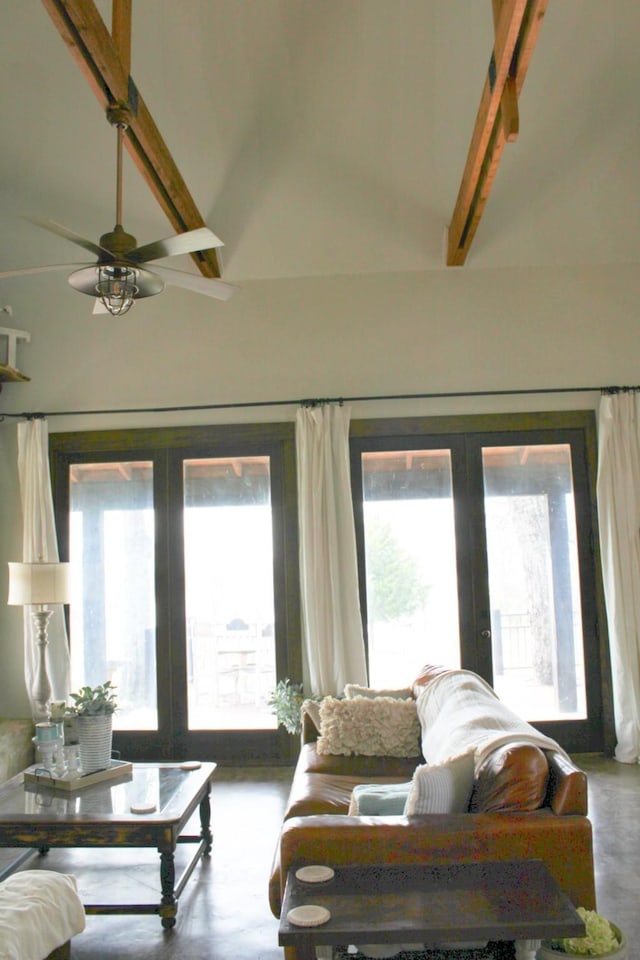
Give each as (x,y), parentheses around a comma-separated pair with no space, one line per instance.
(117,288)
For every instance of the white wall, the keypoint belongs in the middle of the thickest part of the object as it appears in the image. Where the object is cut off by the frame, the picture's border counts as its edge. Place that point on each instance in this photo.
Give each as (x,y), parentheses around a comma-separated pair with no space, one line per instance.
(445,331)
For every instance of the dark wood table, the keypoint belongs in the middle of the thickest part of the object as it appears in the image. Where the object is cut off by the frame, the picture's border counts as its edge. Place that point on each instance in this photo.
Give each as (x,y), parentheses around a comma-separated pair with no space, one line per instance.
(514,900)
(100,815)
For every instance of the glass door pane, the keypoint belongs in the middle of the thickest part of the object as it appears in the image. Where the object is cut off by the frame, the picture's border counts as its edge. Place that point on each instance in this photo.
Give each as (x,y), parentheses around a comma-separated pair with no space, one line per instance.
(536,625)
(112,613)
(229,593)
(410,560)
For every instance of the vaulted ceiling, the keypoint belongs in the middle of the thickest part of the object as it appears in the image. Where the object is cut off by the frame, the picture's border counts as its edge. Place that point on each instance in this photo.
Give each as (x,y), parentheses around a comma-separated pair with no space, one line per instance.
(324,137)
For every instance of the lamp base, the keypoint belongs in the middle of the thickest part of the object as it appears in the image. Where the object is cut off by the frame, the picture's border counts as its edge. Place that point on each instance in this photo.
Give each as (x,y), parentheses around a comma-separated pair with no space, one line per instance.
(41,687)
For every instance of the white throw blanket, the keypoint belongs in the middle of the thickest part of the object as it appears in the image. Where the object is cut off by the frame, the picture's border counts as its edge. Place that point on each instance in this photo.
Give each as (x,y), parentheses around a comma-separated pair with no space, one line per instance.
(459,711)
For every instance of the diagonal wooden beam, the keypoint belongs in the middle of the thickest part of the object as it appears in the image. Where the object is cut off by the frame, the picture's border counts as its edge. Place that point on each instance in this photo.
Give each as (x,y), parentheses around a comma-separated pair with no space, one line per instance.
(517,31)
(104,61)
(121,31)
(509,101)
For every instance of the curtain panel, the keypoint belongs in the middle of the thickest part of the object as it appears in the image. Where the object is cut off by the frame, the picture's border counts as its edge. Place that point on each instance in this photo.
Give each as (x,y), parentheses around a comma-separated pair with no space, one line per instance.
(619,521)
(39,543)
(333,643)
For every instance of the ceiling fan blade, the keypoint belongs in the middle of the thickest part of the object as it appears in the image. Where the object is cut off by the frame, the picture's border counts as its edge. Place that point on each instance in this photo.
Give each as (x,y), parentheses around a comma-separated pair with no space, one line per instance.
(189,242)
(67,234)
(218,289)
(26,271)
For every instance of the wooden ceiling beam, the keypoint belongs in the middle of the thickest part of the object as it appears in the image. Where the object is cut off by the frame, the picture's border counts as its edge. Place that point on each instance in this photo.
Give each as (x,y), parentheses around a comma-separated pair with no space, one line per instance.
(509,113)
(517,28)
(121,31)
(104,61)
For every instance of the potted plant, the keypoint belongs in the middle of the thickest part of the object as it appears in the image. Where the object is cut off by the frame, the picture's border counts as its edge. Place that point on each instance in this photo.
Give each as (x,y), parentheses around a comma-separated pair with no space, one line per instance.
(602,939)
(94,708)
(285,700)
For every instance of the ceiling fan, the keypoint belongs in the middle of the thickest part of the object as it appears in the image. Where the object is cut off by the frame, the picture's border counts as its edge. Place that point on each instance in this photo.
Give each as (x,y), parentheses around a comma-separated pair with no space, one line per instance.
(118,278)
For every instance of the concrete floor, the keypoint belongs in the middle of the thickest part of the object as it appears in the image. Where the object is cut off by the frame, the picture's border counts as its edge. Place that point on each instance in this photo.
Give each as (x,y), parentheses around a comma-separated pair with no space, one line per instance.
(223,912)
(614,810)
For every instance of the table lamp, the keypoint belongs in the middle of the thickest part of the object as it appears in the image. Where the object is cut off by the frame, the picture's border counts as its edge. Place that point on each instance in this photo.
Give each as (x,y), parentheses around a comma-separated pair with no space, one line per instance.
(37,585)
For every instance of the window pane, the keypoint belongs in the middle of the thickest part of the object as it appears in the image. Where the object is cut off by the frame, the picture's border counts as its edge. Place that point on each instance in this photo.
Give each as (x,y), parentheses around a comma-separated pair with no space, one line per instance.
(410,555)
(113,609)
(533,580)
(229,597)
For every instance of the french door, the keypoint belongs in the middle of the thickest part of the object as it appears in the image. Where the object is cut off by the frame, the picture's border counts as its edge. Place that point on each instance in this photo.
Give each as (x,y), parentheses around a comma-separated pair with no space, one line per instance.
(182,552)
(476,550)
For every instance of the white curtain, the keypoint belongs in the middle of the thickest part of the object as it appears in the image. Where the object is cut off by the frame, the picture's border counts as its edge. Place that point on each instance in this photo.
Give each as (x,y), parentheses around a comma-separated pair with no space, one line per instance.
(39,544)
(619,520)
(333,641)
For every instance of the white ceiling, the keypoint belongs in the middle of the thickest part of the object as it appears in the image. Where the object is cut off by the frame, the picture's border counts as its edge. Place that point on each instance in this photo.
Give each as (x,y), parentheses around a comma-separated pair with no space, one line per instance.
(324,137)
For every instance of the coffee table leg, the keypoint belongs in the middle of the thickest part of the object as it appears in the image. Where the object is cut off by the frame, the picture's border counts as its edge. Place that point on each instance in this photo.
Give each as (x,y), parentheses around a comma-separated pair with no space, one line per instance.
(168,905)
(527,949)
(205,822)
(304,951)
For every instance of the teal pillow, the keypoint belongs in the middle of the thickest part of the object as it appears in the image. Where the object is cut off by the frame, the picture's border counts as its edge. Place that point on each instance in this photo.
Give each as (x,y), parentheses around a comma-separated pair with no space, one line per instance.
(379,799)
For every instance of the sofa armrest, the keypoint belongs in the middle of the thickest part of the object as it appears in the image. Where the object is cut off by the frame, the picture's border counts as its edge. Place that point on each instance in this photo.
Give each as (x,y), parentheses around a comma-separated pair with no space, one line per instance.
(310,717)
(564,844)
(567,791)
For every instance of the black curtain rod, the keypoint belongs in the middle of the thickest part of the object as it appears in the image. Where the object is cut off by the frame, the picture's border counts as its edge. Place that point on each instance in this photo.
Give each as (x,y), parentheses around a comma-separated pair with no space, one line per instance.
(311,402)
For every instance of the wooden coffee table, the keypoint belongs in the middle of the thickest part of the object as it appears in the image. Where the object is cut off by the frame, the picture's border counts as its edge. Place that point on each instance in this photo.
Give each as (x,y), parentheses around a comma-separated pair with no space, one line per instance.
(514,900)
(100,815)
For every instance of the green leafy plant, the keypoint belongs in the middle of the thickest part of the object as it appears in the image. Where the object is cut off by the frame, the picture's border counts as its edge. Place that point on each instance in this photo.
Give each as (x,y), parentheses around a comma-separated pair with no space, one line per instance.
(599,940)
(95,701)
(285,700)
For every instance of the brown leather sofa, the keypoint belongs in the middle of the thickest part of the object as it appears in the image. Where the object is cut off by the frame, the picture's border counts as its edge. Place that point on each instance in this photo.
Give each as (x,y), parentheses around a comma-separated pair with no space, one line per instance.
(526,804)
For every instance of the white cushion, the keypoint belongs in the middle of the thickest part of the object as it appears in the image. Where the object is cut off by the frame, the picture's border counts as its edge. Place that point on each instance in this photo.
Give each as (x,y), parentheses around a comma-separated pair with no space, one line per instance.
(355,690)
(442,788)
(370,727)
(39,911)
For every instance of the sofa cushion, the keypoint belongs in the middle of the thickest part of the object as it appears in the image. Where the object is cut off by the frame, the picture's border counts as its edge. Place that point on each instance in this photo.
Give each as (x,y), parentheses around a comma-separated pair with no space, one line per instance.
(317,793)
(441,788)
(378,726)
(323,793)
(363,768)
(379,799)
(512,778)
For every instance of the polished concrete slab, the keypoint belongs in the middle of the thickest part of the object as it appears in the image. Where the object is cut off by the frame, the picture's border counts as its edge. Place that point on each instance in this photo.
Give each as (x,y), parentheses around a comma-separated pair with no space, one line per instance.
(614,810)
(224,913)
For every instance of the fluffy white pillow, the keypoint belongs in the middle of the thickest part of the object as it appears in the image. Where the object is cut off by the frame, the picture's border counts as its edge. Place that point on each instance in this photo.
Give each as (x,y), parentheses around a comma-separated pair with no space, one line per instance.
(370,727)
(355,690)
(442,788)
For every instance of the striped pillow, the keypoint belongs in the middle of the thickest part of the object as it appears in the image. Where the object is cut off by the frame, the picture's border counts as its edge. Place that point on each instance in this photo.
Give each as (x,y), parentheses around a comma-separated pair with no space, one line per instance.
(442,788)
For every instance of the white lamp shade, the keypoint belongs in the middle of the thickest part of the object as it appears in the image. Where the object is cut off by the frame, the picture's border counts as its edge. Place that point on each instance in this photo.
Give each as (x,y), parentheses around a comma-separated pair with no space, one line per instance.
(37,583)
